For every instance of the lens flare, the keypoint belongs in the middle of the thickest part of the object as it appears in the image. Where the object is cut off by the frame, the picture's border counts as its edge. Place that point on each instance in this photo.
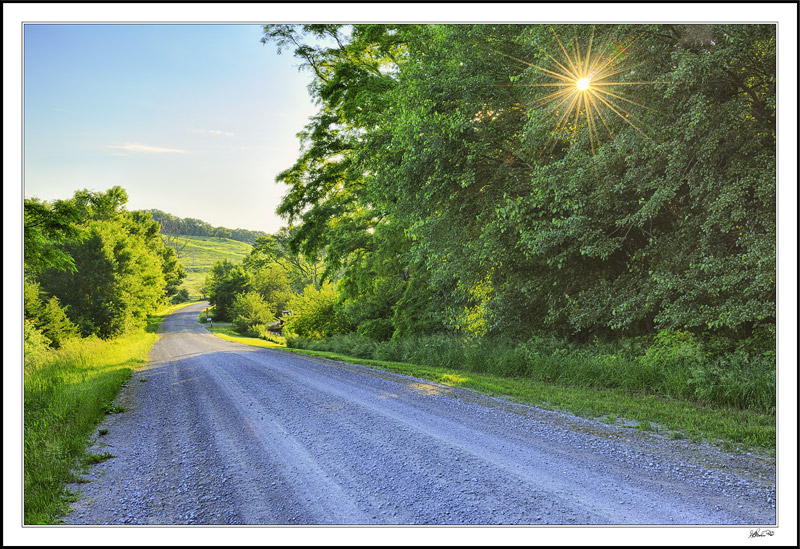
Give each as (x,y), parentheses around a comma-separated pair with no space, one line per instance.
(583,84)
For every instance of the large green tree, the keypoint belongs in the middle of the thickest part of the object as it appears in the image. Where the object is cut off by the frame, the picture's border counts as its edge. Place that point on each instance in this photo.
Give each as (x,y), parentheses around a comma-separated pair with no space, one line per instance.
(437,163)
(225,280)
(123,270)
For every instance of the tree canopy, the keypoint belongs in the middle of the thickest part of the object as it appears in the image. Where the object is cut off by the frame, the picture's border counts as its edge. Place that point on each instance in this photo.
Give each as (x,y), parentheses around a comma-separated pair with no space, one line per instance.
(107,267)
(450,191)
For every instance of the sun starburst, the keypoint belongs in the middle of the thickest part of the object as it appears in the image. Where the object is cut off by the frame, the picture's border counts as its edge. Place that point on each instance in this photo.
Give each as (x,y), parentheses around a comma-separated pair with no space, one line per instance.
(587,94)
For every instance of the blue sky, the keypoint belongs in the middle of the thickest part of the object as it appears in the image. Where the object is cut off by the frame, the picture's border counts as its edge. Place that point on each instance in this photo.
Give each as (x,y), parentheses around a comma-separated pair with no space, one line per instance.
(194,120)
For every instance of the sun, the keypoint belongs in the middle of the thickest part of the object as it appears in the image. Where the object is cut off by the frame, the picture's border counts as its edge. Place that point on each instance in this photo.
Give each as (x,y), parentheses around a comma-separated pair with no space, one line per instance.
(586,89)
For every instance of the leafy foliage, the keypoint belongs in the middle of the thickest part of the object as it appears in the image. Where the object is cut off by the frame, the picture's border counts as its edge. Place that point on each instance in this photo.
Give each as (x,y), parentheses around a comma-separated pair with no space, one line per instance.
(48,317)
(121,270)
(446,198)
(47,225)
(222,284)
(276,249)
(314,313)
(250,309)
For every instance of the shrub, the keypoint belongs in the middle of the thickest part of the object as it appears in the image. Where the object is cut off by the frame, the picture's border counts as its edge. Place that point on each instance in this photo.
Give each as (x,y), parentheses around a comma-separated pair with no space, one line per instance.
(49,317)
(672,359)
(379,329)
(314,313)
(249,309)
(182,296)
(35,345)
(262,331)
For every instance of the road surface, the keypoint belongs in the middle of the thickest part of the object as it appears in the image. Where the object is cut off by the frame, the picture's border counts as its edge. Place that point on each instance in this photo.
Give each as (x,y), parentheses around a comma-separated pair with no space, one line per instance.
(221,433)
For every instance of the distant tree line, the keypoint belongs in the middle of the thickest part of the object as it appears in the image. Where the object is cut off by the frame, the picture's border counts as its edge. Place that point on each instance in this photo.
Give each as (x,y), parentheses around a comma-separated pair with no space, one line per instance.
(173,225)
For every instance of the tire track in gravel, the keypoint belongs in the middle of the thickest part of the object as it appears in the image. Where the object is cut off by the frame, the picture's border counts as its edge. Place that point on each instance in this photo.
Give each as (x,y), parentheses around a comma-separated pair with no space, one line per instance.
(229,434)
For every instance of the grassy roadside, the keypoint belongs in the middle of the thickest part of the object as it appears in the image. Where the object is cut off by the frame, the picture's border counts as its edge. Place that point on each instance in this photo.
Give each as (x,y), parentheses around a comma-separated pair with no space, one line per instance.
(733,429)
(67,393)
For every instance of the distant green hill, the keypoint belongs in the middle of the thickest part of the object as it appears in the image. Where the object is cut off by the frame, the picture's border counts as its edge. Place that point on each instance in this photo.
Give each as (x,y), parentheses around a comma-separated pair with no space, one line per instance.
(198,253)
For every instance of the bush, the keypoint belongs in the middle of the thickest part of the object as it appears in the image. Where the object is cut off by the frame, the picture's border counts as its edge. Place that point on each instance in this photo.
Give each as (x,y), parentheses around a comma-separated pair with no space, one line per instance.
(248,310)
(672,358)
(35,345)
(379,329)
(181,297)
(314,313)
(262,331)
(49,317)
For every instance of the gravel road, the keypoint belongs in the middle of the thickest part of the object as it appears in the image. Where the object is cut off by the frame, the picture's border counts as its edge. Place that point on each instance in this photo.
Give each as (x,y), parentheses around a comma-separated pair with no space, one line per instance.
(221,433)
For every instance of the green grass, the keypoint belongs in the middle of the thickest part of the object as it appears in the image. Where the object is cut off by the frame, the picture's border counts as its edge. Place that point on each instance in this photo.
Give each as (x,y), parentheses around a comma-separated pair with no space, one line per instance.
(98,458)
(201,252)
(729,427)
(67,394)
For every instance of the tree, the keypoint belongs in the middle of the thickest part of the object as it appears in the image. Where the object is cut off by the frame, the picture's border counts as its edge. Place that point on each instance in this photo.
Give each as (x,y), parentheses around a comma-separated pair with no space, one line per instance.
(223,283)
(122,268)
(511,215)
(47,225)
(272,284)
(277,249)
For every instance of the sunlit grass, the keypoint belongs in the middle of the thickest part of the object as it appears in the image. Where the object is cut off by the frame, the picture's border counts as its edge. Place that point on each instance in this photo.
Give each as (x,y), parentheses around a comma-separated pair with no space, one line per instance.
(67,394)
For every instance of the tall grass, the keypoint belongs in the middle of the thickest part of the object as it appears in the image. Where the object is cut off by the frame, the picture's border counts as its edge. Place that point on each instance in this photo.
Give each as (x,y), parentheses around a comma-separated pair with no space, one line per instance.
(67,393)
(674,365)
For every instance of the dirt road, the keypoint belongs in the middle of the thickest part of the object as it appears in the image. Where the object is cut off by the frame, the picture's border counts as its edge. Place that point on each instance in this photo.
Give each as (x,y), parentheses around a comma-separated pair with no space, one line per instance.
(221,433)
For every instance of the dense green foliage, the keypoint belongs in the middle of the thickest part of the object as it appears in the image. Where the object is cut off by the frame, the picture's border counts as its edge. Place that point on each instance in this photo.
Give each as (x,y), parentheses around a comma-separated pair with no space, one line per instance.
(447,199)
(255,293)
(676,366)
(91,263)
(466,216)
(314,312)
(47,317)
(46,226)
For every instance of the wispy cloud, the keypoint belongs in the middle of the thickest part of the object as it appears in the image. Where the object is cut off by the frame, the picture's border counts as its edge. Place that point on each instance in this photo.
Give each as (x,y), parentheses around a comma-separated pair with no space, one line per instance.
(146,149)
(215,132)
